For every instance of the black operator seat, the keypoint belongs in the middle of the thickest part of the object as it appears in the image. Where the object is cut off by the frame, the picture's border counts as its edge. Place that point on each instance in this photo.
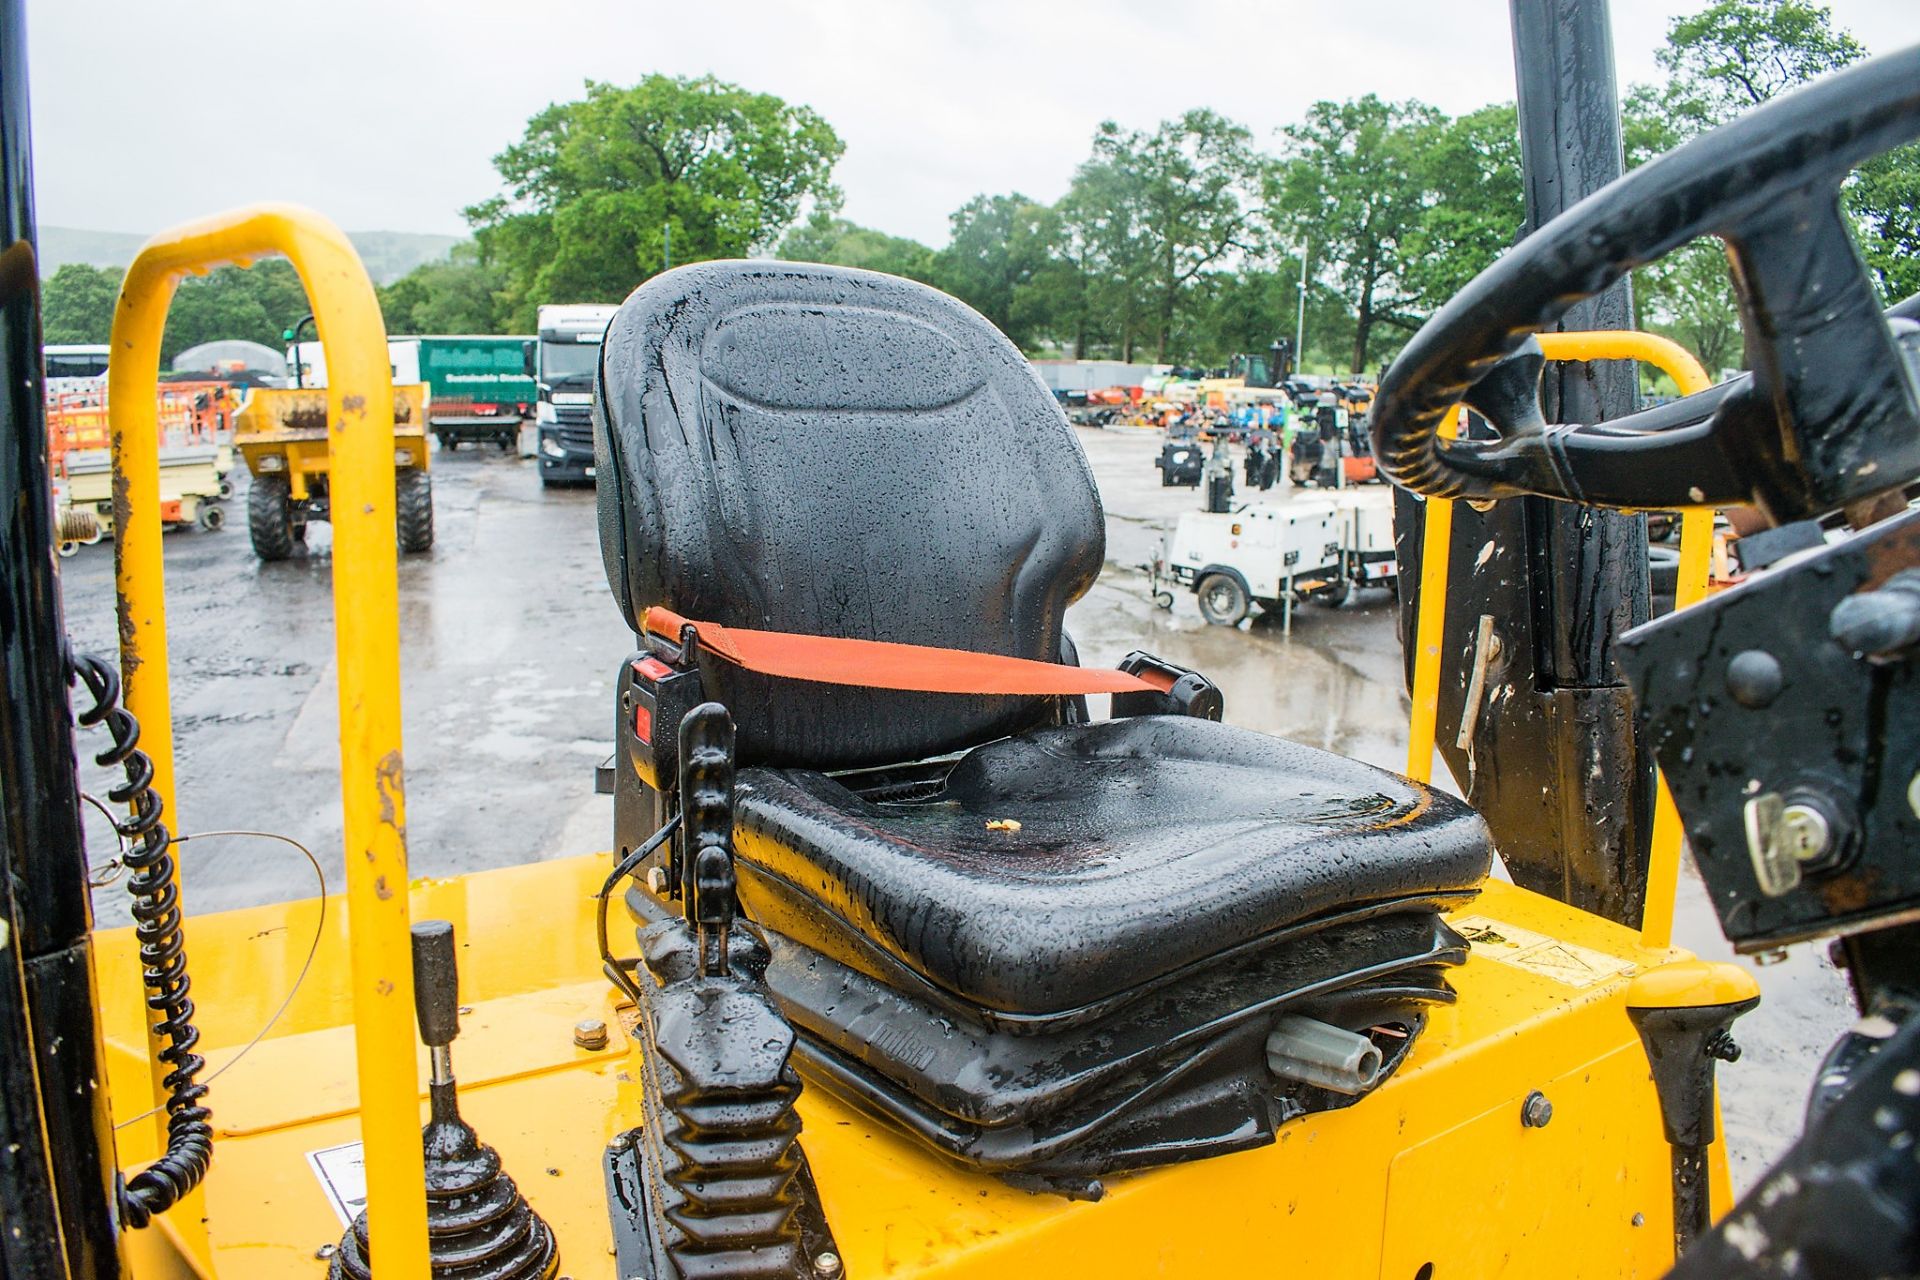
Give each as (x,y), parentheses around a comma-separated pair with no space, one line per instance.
(826,451)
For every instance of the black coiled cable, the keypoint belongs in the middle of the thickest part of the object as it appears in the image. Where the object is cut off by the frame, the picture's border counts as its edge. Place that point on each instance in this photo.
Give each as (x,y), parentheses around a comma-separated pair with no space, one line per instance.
(163,958)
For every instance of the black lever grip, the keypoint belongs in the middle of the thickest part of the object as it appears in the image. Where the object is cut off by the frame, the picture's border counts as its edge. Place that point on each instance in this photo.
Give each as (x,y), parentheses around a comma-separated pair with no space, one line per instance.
(436,982)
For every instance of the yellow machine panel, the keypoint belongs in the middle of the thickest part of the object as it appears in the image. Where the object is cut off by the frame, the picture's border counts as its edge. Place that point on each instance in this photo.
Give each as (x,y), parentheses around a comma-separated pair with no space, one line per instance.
(1439,1168)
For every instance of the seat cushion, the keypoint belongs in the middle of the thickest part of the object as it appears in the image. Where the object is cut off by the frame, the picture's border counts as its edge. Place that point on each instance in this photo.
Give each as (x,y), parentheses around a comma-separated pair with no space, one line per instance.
(1144,847)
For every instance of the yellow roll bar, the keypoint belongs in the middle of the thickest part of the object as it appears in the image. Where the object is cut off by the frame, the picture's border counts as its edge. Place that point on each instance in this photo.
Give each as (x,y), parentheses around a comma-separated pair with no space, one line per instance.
(1696,549)
(366,637)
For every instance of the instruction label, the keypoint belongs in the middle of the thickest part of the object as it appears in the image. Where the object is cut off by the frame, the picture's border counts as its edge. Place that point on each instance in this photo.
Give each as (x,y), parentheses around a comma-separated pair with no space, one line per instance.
(342,1171)
(1564,962)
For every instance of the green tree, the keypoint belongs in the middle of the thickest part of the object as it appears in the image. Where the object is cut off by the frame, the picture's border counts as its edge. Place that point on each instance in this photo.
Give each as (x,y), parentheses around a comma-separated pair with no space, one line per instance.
(840,243)
(76,303)
(1727,59)
(1095,283)
(257,303)
(1736,54)
(458,294)
(1351,190)
(595,186)
(1242,311)
(1885,198)
(1469,168)
(1194,187)
(998,244)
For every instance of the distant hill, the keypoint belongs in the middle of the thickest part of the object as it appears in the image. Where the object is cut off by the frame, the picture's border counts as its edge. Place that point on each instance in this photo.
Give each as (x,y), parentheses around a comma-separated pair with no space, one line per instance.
(388,254)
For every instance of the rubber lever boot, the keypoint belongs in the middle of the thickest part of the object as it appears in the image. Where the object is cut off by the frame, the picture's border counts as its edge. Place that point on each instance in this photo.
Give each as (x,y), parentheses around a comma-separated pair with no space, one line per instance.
(1683,1012)
(479,1226)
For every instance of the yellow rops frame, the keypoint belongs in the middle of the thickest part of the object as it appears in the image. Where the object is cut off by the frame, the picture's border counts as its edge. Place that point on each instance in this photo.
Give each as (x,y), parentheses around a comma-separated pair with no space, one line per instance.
(366,635)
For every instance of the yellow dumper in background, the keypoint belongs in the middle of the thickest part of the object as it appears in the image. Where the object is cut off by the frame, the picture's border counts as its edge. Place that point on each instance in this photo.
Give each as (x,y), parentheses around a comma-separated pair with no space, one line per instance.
(282,434)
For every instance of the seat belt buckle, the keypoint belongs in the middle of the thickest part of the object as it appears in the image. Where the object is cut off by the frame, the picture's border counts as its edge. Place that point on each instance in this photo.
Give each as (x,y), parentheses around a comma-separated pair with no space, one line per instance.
(1179,691)
(654,696)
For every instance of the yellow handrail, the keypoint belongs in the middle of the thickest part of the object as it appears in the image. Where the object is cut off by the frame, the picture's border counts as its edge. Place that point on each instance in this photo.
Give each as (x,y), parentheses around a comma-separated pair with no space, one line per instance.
(366,636)
(1696,550)
(1436,547)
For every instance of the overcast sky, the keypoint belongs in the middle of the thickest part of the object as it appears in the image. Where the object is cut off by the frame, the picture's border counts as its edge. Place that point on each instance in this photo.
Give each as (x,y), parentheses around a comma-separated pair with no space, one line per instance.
(384,114)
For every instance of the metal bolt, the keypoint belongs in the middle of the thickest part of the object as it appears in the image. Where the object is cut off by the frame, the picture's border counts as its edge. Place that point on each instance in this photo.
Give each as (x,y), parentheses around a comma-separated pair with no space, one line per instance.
(1804,832)
(590,1033)
(1536,1111)
(619,1142)
(827,1264)
(657,881)
(1755,678)
(326,1251)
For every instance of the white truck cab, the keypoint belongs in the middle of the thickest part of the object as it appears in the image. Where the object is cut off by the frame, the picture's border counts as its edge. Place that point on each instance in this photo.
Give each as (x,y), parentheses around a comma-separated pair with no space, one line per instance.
(565,359)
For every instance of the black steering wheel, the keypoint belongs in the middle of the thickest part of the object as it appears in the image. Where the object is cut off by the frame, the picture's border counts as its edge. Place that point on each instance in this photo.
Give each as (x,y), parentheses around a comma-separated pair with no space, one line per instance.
(1831,411)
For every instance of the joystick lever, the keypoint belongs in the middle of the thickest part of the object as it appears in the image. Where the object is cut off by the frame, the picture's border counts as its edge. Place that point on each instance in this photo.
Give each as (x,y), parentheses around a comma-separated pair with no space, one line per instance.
(479,1226)
(436,996)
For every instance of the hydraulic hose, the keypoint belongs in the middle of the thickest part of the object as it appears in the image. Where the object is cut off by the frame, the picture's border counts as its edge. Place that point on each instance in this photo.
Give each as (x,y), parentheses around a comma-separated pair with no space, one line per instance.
(163,957)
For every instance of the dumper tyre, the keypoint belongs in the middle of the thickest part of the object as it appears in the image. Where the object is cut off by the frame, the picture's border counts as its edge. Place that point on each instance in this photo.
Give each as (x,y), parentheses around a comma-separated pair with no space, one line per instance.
(270,517)
(413,511)
(1223,600)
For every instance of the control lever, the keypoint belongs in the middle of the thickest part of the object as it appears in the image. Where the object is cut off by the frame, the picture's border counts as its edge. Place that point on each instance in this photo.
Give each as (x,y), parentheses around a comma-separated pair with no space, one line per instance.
(436,998)
(479,1226)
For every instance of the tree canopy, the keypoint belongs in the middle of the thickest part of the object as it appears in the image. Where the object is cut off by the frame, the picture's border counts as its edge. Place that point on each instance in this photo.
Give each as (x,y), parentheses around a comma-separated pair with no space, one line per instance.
(257,303)
(596,188)
(78,303)
(1726,59)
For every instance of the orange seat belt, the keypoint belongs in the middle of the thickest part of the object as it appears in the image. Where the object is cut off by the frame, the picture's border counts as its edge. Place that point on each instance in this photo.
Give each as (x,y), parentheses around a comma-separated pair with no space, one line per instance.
(881,664)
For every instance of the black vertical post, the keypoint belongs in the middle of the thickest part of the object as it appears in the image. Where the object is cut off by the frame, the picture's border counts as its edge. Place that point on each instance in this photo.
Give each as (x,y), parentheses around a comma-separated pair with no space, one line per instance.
(55,1137)
(1570,147)
(1554,758)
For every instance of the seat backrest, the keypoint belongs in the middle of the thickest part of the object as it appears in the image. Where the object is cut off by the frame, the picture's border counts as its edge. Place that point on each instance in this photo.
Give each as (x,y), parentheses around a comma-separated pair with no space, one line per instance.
(833,452)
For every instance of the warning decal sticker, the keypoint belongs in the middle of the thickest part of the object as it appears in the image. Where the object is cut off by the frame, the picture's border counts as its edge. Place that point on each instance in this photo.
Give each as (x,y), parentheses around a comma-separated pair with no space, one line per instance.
(1563,962)
(342,1171)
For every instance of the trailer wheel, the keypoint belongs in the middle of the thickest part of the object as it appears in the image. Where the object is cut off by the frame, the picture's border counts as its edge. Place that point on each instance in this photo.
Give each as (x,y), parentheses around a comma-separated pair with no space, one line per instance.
(507,441)
(269,518)
(212,518)
(413,511)
(1336,593)
(447,443)
(1223,601)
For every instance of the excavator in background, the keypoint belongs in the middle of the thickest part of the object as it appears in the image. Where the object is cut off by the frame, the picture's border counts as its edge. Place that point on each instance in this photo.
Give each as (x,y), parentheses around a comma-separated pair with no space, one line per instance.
(899,963)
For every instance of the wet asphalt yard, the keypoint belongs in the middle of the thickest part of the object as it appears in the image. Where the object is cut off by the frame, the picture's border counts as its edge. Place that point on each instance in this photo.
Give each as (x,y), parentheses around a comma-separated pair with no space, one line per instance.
(510,642)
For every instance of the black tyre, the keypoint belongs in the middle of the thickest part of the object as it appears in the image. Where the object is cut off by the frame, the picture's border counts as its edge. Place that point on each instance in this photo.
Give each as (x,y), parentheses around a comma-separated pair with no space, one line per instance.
(1336,593)
(507,442)
(447,442)
(270,517)
(413,511)
(211,518)
(1163,599)
(1223,601)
